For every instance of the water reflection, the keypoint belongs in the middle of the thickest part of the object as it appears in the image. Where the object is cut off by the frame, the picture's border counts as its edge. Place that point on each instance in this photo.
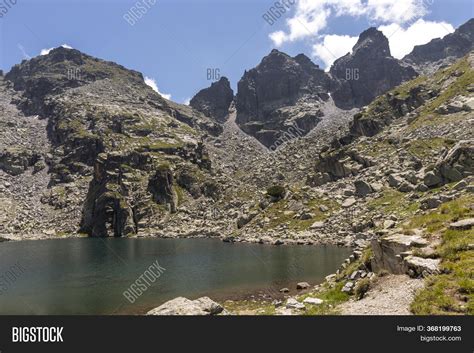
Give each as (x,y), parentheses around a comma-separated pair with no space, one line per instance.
(88,276)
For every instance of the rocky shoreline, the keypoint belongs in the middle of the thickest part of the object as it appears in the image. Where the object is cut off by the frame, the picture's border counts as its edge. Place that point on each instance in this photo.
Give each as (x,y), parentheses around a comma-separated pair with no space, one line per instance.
(382,278)
(257,240)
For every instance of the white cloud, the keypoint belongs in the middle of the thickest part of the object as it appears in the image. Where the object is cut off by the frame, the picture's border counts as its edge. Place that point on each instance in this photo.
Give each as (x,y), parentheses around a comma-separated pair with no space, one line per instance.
(312,16)
(187,101)
(152,83)
(402,41)
(333,47)
(278,38)
(46,51)
(398,11)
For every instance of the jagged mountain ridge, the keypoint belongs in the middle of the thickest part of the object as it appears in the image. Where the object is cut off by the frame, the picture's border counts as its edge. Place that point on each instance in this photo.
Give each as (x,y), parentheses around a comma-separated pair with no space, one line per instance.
(282,92)
(442,51)
(125,161)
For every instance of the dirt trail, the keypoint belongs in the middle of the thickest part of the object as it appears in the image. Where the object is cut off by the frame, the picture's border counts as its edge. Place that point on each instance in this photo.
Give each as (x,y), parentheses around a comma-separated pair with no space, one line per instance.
(391,295)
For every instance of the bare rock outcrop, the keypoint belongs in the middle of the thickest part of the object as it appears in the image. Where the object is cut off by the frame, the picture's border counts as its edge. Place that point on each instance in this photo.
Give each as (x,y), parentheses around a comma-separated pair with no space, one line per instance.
(367,72)
(183,306)
(279,93)
(441,51)
(214,101)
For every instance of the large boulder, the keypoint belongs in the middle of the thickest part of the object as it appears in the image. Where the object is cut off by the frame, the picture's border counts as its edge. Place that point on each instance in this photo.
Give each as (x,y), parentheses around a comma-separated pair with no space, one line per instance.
(183,306)
(418,266)
(362,188)
(335,165)
(458,162)
(389,252)
(464,224)
(15,161)
(455,165)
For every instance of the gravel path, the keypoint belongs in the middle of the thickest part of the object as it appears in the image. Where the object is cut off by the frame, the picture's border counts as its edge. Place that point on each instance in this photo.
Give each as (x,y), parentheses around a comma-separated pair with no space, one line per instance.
(391,295)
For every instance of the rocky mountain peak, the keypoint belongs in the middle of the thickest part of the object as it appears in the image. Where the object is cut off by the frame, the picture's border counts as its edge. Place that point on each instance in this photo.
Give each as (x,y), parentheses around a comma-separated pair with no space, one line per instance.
(215,100)
(65,54)
(367,72)
(62,69)
(280,92)
(372,42)
(276,60)
(306,62)
(60,63)
(467,29)
(108,135)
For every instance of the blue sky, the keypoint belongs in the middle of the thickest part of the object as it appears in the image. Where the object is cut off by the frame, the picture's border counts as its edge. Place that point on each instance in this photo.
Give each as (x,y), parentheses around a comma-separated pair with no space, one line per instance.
(176,41)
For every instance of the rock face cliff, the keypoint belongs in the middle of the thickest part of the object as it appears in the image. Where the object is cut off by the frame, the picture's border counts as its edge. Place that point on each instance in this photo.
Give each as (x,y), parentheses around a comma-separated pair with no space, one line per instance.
(121,156)
(283,91)
(214,101)
(367,72)
(279,93)
(442,51)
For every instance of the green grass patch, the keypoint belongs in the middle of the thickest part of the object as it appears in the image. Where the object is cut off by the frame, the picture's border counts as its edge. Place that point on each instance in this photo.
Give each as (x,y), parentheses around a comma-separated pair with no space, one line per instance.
(451,87)
(374,148)
(429,148)
(448,212)
(331,297)
(451,292)
(393,202)
(180,194)
(279,213)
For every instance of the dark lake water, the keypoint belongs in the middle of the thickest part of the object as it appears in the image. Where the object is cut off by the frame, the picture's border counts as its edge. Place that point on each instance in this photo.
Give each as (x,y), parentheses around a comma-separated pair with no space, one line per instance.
(89,276)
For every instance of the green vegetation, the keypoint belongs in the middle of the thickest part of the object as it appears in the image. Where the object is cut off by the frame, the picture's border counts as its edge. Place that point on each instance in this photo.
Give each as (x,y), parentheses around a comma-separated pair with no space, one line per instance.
(375,148)
(76,128)
(381,105)
(393,202)
(454,81)
(361,263)
(403,91)
(61,234)
(451,82)
(452,291)
(330,292)
(163,146)
(448,212)
(331,297)
(163,167)
(276,191)
(279,213)
(362,287)
(426,148)
(180,193)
